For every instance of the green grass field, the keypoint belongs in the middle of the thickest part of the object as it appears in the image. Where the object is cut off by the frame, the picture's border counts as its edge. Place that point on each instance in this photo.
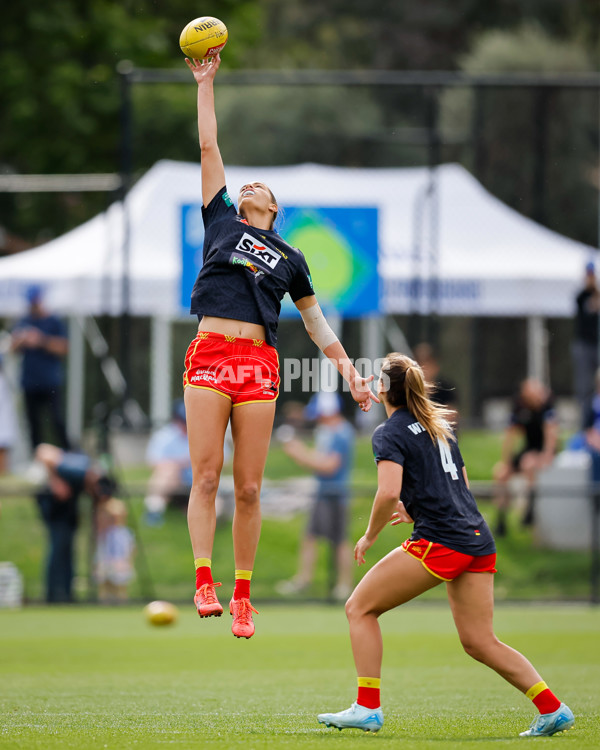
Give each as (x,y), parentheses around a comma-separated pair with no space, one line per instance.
(103,678)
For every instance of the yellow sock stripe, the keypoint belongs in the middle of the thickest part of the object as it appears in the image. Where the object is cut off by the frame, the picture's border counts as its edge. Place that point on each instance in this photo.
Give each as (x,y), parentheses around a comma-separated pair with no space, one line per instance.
(370,682)
(202,562)
(535,690)
(245,575)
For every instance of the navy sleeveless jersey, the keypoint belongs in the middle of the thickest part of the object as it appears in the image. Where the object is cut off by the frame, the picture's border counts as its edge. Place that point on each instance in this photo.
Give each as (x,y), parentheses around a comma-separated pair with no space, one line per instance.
(434,491)
(246,271)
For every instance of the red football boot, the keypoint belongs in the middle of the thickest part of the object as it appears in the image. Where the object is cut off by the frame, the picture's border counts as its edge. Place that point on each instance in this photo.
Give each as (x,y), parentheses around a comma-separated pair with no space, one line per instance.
(241,610)
(206,601)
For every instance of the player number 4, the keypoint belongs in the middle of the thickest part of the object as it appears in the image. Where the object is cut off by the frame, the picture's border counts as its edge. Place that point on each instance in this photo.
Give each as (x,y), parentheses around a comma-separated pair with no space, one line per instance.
(447,463)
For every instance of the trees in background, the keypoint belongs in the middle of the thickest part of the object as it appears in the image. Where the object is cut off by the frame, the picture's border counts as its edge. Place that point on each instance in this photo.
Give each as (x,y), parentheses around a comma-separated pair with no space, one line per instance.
(59,94)
(536,150)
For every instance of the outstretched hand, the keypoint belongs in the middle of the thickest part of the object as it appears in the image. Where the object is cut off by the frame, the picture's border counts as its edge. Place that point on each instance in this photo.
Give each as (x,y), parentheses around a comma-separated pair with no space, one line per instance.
(204,70)
(361,392)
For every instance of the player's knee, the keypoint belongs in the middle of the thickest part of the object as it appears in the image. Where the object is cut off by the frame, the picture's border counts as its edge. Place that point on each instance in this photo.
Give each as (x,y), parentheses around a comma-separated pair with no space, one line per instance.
(247,493)
(353,608)
(530,463)
(205,483)
(350,609)
(478,647)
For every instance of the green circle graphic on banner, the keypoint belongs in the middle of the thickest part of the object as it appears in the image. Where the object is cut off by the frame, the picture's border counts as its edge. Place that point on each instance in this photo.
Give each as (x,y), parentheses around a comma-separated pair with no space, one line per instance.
(328,254)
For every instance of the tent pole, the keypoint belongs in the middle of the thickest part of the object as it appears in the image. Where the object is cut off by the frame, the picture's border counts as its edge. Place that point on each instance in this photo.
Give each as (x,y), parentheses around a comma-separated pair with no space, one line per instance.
(433,197)
(478,133)
(536,349)
(160,379)
(76,379)
(475,368)
(125,70)
(540,147)
(373,348)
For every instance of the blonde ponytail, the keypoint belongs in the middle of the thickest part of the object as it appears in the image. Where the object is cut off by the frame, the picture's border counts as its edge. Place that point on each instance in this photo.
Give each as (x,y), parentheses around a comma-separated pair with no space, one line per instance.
(433,417)
(407,387)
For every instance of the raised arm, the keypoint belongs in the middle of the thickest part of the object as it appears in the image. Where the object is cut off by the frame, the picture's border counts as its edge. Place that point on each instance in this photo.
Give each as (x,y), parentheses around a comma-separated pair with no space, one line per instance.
(320,332)
(213,172)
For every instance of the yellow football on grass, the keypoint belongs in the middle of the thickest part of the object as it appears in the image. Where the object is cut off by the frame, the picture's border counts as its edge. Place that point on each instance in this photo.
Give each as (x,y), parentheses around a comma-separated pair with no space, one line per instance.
(161,613)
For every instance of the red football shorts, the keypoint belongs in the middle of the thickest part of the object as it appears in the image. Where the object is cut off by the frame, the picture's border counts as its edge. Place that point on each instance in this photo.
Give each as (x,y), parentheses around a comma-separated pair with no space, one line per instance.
(446,563)
(243,370)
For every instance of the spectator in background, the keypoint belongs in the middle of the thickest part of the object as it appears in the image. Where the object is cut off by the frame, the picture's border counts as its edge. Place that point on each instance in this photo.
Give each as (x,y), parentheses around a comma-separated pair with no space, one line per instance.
(589,438)
(68,475)
(533,421)
(331,462)
(444,392)
(168,454)
(591,422)
(8,421)
(115,548)
(42,340)
(585,340)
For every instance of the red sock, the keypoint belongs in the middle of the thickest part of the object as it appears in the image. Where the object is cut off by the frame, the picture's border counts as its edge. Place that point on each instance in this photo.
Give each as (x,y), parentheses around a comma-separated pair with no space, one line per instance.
(543,698)
(242,584)
(369,692)
(203,572)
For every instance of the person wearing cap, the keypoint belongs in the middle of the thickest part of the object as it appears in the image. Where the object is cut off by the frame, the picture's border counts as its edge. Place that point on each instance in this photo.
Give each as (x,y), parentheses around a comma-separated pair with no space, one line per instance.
(69,474)
(330,461)
(41,338)
(585,340)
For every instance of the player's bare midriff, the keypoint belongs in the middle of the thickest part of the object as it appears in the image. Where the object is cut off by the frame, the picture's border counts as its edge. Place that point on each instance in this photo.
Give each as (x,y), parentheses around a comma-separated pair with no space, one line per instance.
(231,327)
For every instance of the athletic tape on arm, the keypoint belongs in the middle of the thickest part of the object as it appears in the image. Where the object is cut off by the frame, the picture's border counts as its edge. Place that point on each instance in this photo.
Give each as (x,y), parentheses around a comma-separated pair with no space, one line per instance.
(317,327)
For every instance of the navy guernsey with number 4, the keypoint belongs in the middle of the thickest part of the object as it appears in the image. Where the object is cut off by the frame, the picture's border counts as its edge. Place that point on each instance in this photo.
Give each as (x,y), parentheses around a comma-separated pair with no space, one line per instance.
(434,491)
(246,271)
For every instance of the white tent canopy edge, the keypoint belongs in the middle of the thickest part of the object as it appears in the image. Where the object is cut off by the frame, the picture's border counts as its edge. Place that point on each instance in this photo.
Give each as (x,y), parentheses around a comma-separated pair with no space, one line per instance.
(490,259)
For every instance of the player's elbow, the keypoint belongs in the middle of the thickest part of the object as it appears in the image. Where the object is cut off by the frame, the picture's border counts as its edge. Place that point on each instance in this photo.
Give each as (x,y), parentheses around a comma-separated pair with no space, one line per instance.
(387,495)
(208,144)
(311,333)
(317,327)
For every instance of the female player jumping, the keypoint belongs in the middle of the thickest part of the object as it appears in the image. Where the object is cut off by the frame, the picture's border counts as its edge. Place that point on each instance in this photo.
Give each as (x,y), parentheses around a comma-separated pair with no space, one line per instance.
(417,455)
(232,368)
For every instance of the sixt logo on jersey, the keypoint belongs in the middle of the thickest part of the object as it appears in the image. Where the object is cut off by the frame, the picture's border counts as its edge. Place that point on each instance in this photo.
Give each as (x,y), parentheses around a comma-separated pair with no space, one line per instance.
(249,244)
(279,250)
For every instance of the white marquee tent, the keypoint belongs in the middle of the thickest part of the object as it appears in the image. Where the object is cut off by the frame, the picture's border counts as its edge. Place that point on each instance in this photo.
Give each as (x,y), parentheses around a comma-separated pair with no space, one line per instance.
(490,260)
